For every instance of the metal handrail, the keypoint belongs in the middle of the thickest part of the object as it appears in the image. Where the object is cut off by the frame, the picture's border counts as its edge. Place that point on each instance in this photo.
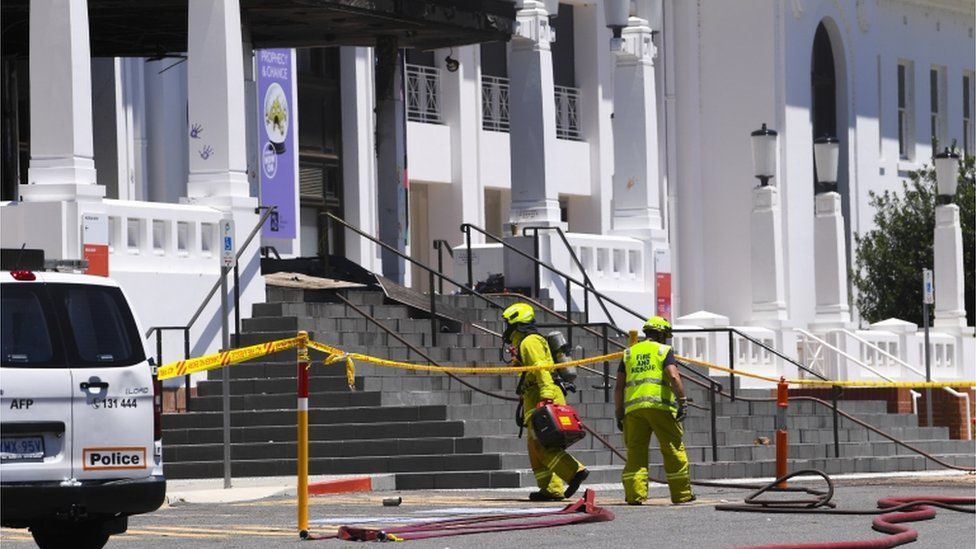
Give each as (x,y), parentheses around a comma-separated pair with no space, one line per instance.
(466,228)
(203,305)
(439,245)
(430,272)
(579,265)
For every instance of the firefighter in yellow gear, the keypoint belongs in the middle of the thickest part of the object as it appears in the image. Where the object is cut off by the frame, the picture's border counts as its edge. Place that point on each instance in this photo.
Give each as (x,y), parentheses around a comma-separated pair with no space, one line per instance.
(650,399)
(551,466)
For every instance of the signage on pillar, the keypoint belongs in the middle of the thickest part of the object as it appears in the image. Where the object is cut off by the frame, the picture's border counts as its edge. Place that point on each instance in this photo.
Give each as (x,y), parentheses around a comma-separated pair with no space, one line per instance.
(228,248)
(662,283)
(277,140)
(94,243)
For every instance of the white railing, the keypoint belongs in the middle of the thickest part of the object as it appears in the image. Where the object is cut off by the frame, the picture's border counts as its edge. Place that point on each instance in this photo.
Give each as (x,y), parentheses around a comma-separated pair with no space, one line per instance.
(892,358)
(494,104)
(423,94)
(568,113)
(612,263)
(153,236)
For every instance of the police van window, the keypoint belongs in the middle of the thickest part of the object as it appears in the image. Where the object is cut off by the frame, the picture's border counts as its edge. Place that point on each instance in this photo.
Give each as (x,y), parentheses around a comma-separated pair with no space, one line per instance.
(101,329)
(25,324)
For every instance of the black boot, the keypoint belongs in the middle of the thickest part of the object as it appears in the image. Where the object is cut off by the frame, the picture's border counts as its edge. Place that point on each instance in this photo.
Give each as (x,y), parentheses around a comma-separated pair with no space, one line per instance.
(574,484)
(544,496)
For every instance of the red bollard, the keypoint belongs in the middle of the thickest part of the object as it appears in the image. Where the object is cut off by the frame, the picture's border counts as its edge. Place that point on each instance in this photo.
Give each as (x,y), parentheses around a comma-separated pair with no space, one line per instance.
(782,450)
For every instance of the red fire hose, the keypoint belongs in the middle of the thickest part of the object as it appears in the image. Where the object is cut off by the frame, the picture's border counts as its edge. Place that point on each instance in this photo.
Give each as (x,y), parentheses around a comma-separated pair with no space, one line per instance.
(893,512)
(584,510)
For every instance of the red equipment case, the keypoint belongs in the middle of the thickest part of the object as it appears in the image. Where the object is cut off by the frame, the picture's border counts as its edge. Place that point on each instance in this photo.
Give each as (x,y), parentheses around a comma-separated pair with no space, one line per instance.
(556,425)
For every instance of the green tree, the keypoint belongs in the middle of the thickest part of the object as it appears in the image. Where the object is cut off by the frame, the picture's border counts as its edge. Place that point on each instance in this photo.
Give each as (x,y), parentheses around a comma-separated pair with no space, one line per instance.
(888,260)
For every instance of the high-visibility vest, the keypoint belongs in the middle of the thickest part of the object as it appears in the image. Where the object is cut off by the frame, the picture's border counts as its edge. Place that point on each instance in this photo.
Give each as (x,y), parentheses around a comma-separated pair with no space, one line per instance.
(645,385)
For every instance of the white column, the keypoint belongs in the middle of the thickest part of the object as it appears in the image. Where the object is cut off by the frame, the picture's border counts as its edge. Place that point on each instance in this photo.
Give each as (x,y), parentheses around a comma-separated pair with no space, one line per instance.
(636,181)
(950,304)
(62,165)
(532,110)
(462,112)
(766,242)
(217,149)
(830,263)
(358,153)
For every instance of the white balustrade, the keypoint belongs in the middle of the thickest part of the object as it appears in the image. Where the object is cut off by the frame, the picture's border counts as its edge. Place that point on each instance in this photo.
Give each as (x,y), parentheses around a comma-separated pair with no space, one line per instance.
(568,113)
(494,104)
(423,85)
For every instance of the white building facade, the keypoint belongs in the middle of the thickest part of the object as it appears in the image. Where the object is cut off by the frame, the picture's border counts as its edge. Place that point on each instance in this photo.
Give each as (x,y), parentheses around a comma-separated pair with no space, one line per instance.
(639,150)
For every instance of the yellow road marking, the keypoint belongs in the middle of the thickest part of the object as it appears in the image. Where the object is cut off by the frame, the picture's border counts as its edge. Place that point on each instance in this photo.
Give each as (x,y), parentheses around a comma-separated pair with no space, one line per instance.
(168,534)
(229,530)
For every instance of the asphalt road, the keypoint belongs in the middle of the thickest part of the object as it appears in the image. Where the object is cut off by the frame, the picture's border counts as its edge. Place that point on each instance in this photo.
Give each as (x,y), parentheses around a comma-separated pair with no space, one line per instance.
(270,522)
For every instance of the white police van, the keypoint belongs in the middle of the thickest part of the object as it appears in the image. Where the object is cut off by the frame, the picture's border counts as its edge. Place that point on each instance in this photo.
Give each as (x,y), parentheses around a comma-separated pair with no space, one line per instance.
(79,410)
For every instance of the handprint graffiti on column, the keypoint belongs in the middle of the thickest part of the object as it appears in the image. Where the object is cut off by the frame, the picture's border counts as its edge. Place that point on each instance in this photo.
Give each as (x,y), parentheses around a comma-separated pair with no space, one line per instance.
(206,152)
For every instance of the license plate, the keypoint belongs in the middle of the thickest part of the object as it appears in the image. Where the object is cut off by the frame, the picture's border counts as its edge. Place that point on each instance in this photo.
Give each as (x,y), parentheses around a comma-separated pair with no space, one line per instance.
(21,448)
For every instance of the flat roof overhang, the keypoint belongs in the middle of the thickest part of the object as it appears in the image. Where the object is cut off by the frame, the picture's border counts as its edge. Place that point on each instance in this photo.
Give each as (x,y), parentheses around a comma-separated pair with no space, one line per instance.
(150,28)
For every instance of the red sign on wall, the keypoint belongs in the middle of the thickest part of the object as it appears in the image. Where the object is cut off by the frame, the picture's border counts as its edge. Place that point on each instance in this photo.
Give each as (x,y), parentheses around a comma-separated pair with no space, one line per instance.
(94,243)
(662,284)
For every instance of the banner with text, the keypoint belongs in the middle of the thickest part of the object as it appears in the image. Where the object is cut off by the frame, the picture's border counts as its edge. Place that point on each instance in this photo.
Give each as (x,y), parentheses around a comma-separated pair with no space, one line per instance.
(277,140)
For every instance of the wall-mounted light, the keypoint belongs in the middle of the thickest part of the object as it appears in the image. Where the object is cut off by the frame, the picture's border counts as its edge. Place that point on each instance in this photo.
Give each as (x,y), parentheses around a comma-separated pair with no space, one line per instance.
(450,63)
(764,154)
(617,12)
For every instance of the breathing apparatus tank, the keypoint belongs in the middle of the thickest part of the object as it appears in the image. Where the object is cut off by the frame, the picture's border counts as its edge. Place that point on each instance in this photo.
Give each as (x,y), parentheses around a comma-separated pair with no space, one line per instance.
(561,352)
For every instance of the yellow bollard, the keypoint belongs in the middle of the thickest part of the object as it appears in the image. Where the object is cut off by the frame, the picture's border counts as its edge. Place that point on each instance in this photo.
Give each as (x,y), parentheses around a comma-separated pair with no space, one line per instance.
(632,338)
(303,363)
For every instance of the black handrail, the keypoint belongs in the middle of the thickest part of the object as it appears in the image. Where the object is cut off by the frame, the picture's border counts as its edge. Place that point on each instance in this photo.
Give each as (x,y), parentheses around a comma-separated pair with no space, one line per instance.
(466,229)
(431,273)
(440,245)
(589,286)
(206,300)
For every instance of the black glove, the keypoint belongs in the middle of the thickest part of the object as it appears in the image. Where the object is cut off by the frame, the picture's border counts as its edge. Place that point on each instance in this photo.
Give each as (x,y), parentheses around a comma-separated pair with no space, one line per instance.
(567,387)
(620,425)
(682,409)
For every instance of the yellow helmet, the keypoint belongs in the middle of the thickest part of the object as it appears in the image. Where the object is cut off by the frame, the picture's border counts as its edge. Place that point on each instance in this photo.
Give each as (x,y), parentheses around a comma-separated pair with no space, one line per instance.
(658,324)
(518,313)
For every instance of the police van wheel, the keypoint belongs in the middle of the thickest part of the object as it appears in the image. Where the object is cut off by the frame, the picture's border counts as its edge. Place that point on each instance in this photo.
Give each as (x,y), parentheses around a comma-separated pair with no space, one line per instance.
(57,534)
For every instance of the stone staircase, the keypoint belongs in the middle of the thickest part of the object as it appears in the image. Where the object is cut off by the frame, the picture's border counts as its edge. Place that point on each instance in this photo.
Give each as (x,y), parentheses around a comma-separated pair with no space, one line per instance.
(433,432)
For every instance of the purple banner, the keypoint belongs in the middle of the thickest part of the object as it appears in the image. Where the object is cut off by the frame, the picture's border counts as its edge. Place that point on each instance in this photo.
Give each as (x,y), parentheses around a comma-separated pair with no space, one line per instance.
(276,113)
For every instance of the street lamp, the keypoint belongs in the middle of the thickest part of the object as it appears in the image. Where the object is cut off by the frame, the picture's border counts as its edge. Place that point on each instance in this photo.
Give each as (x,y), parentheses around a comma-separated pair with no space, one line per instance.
(617,13)
(826,153)
(552,6)
(946,175)
(764,154)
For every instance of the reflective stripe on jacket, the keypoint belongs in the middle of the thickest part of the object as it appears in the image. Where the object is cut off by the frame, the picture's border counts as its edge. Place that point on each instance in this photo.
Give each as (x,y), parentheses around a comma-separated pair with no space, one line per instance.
(645,385)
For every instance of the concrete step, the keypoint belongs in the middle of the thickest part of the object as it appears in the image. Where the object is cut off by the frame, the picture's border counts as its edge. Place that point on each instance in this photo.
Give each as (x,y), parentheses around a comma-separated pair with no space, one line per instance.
(328,448)
(334,465)
(319,432)
(369,414)
(277,385)
(329,399)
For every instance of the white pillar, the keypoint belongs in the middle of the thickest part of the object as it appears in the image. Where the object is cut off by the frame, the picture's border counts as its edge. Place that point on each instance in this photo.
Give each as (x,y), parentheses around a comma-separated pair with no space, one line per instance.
(62,165)
(766,243)
(358,153)
(636,181)
(532,111)
(217,149)
(950,304)
(462,112)
(830,263)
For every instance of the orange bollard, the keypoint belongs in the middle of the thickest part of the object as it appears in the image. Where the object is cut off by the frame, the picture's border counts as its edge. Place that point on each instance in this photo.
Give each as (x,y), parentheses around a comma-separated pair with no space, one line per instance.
(782,449)
(302,374)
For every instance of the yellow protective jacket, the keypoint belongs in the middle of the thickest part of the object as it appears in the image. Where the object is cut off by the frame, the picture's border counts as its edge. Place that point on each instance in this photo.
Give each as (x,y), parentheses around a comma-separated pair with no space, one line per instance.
(646,384)
(533,350)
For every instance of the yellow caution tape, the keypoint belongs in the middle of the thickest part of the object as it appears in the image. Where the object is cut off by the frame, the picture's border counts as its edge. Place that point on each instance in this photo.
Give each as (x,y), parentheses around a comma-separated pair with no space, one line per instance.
(336,355)
(226,358)
(837,383)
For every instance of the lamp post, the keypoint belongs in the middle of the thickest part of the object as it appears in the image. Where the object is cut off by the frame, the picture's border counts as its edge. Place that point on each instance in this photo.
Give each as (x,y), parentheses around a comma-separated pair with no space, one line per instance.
(950,304)
(764,141)
(617,14)
(826,153)
(829,242)
(766,254)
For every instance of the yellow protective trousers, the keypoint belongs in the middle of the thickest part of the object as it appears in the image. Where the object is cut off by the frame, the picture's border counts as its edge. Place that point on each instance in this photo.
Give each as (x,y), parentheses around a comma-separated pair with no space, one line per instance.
(551,466)
(638,426)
